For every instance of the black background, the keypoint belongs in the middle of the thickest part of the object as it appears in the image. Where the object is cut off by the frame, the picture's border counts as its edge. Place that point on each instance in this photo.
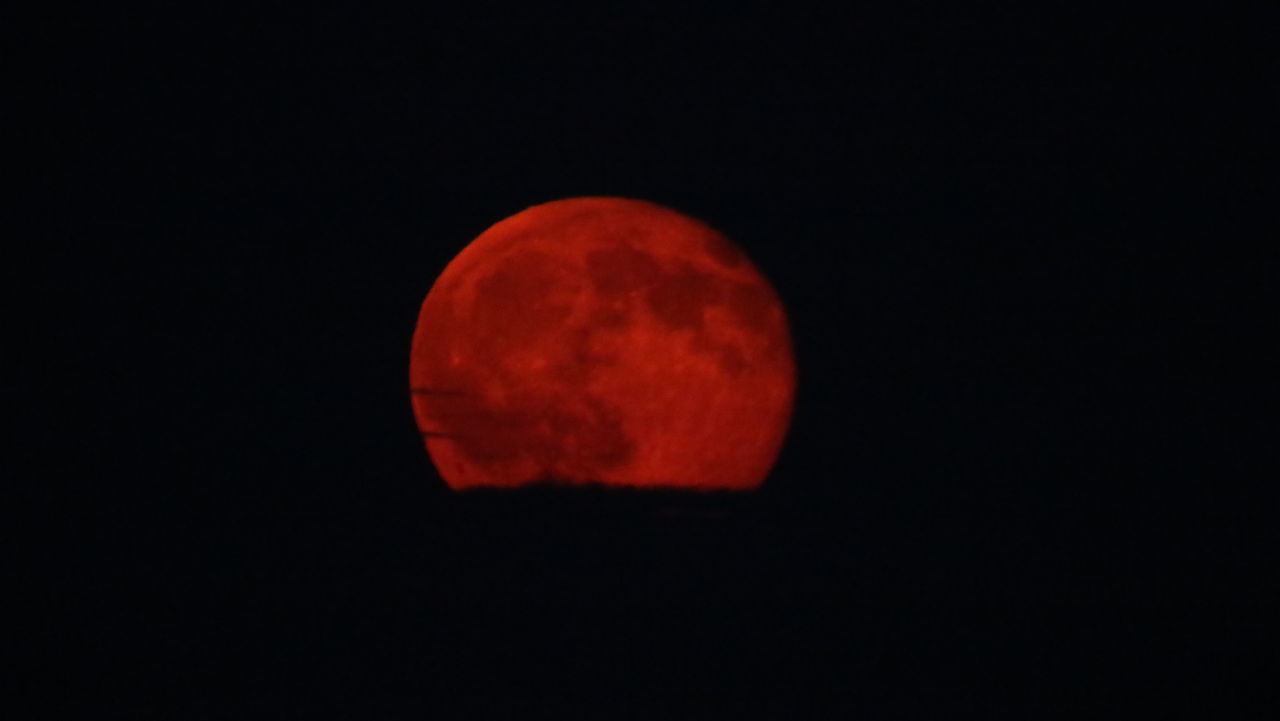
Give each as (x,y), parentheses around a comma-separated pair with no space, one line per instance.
(978,223)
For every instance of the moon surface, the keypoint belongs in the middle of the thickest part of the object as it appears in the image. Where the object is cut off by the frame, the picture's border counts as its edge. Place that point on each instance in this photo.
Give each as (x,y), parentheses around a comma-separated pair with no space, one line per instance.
(602,341)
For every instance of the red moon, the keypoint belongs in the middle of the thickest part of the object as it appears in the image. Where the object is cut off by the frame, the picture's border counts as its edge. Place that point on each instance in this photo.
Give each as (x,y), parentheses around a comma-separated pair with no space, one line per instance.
(602,341)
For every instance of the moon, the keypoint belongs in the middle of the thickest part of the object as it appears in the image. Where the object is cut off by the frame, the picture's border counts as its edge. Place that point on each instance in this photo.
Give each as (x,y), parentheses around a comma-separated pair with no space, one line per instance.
(603,341)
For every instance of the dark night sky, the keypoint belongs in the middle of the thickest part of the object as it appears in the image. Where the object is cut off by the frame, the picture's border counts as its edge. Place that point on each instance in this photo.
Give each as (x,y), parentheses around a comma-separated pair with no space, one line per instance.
(978,224)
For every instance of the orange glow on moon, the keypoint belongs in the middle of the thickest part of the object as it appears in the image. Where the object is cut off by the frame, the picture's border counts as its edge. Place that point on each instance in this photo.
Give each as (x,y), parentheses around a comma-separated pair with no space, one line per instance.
(602,341)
